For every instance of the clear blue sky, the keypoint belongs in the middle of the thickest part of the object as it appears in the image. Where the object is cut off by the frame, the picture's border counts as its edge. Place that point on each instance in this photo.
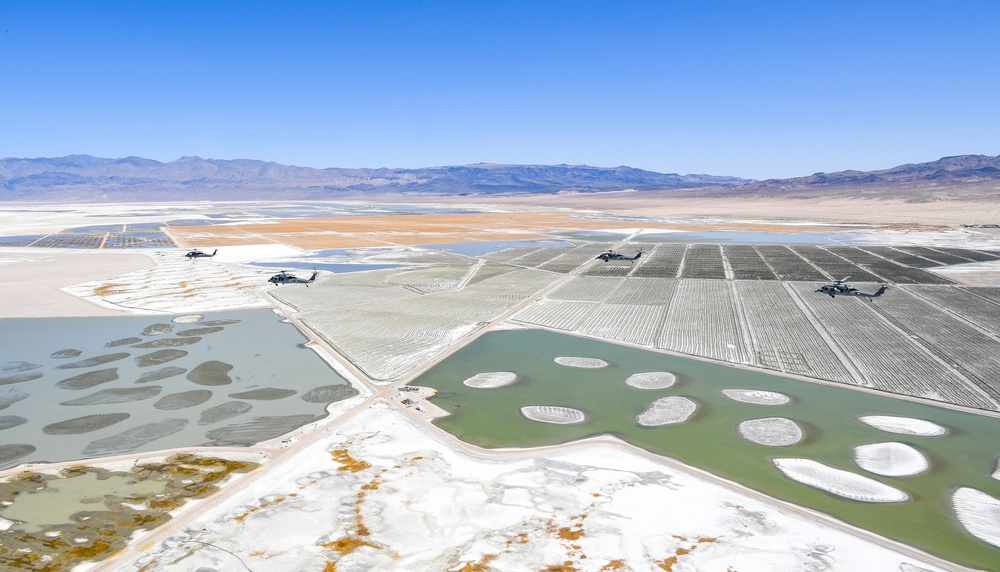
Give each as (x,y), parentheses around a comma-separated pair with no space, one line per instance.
(753,89)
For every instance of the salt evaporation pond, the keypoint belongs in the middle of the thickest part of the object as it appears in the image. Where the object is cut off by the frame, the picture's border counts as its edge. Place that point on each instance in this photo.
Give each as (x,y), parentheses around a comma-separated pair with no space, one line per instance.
(114,385)
(481,248)
(827,416)
(836,235)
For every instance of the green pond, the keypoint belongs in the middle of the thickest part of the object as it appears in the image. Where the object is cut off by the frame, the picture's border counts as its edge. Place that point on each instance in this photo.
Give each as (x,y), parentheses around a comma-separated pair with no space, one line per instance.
(828,416)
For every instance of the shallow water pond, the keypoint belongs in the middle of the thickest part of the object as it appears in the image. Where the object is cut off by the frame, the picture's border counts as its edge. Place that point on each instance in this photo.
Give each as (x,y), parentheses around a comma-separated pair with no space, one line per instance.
(828,417)
(244,378)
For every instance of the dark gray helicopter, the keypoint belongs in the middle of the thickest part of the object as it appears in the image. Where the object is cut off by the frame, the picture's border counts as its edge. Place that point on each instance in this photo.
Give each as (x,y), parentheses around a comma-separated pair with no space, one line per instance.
(288,278)
(840,288)
(199,254)
(612,255)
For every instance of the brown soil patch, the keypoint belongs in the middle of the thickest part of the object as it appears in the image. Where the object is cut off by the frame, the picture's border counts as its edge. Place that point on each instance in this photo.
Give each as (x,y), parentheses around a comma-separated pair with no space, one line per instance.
(408,230)
(567,533)
(564,567)
(368,231)
(109,289)
(344,546)
(262,554)
(849,207)
(482,566)
(668,563)
(348,463)
(243,516)
(106,529)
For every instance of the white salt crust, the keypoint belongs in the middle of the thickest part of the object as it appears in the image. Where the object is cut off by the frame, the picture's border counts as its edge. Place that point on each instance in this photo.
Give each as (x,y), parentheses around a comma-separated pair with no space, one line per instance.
(770,431)
(553,414)
(979,513)
(491,379)
(890,459)
(903,425)
(756,396)
(839,482)
(584,362)
(651,380)
(666,410)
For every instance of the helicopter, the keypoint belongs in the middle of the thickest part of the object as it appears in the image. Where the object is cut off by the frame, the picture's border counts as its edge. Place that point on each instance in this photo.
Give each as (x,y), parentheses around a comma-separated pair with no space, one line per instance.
(199,254)
(284,277)
(840,288)
(612,255)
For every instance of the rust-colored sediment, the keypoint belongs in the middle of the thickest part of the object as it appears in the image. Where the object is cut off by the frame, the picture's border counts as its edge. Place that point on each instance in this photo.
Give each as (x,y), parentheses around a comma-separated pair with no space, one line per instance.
(408,230)
(346,462)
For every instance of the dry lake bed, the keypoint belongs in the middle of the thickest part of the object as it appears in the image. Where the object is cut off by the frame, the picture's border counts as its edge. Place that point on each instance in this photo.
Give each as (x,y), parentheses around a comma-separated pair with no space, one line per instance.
(467,388)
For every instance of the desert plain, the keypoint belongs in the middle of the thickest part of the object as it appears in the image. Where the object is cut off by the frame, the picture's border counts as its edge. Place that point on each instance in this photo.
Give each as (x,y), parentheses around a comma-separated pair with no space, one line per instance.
(377,484)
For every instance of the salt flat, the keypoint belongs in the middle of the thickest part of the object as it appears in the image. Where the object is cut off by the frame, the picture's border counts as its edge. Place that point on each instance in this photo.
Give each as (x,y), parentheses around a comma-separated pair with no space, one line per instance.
(403,496)
(381,493)
(31,281)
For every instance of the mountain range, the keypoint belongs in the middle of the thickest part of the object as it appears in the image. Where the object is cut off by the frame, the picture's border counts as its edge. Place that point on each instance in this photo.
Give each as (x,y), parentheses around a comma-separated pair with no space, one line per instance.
(86,178)
(947,177)
(82,178)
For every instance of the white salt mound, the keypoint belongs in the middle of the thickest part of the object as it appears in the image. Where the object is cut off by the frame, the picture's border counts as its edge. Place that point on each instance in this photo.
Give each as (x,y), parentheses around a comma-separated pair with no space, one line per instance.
(979,513)
(581,362)
(890,459)
(491,379)
(553,414)
(756,396)
(770,431)
(903,425)
(189,319)
(838,482)
(651,380)
(666,410)
(996,473)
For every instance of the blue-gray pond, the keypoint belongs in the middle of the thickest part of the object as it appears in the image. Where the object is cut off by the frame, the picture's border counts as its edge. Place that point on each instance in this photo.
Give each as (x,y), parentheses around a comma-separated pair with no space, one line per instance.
(964,456)
(74,388)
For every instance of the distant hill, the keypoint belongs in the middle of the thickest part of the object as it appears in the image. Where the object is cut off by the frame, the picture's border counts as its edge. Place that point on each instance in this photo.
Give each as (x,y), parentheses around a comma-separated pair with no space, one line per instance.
(971,177)
(83,178)
(91,179)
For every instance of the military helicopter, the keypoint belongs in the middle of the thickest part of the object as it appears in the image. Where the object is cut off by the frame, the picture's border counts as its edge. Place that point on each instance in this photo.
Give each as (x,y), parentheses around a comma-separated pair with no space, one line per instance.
(288,278)
(840,288)
(199,254)
(612,255)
